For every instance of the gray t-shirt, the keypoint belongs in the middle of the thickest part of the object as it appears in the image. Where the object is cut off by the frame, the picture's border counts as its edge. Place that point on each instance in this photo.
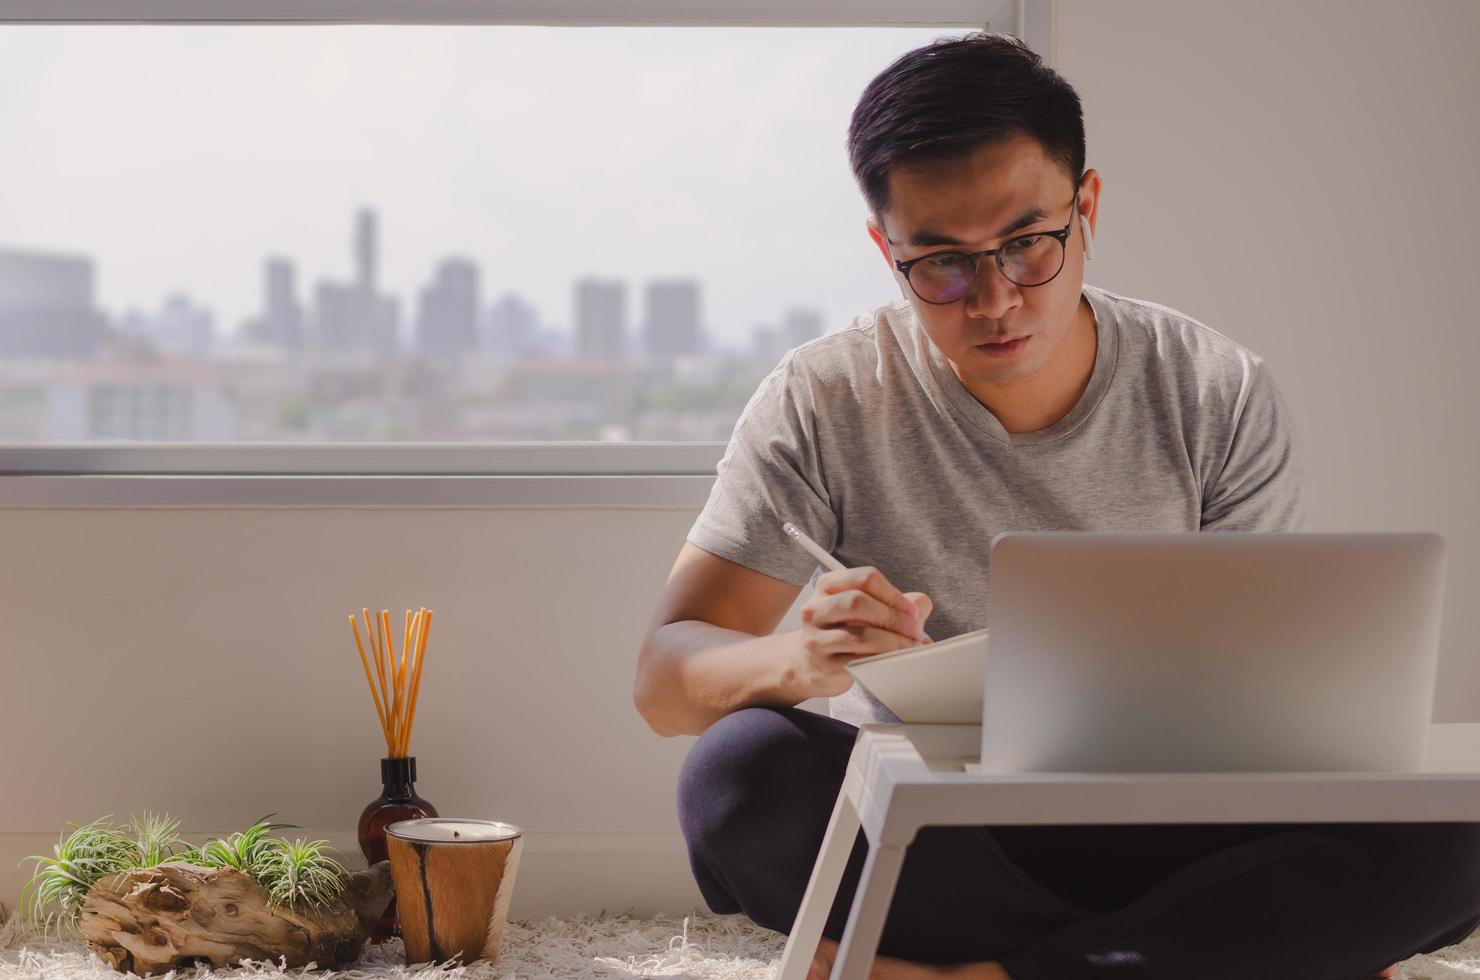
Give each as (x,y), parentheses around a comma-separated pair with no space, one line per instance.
(867,440)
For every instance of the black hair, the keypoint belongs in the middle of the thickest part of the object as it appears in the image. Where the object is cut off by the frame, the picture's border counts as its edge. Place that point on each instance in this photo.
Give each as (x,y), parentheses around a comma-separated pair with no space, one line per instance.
(954,95)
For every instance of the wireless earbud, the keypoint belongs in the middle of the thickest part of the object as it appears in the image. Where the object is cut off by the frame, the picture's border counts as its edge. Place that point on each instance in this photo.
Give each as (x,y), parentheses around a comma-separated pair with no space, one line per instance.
(1089,248)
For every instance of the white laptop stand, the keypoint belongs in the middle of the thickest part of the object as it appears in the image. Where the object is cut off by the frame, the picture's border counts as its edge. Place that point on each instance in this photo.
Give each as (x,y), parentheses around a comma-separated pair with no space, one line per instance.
(904,777)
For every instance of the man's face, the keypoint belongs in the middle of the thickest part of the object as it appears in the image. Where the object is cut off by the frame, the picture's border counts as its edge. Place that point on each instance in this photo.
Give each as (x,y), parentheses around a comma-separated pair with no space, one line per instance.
(978,201)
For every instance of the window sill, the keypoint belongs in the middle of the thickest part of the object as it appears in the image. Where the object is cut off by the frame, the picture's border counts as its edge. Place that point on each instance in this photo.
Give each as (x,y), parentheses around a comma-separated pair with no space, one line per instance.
(161,490)
(423,475)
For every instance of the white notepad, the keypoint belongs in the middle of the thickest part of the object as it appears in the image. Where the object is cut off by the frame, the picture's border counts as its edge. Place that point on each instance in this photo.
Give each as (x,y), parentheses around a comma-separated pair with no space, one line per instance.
(935,684)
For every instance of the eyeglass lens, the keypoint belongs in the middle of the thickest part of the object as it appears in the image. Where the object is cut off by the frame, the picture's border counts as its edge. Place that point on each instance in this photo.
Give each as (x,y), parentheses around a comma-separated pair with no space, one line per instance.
(1028,261)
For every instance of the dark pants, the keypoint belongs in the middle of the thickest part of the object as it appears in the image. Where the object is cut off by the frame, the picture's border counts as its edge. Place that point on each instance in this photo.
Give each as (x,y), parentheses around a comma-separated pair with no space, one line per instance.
(1163,901)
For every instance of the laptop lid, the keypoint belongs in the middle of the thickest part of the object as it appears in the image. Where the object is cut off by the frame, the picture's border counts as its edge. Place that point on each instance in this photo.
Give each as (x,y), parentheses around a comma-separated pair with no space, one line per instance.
(1220,651)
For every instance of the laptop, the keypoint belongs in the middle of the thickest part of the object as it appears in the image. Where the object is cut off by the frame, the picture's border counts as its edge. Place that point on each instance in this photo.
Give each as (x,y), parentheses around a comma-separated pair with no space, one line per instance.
(1219,651)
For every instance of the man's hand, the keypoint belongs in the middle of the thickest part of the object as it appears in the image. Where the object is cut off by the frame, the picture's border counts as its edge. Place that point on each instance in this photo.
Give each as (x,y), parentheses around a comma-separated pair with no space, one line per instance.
(854,613)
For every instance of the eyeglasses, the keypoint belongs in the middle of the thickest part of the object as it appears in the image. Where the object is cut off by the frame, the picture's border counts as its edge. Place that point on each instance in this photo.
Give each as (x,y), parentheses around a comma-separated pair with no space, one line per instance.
(1027,260)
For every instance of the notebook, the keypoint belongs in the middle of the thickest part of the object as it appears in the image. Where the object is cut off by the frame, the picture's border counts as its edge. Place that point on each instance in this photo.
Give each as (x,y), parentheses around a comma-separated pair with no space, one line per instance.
(937,683)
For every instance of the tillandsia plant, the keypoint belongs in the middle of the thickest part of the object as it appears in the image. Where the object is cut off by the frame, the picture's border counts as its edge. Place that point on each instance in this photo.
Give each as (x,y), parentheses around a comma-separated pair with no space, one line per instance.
(301,874)
(157,838)
(244,851)
(60,883)
(295,874)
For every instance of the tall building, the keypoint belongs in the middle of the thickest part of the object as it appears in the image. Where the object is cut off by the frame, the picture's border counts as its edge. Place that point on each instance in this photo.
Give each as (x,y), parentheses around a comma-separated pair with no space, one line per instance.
(765,344)
(354,316)
(799,325)
(512,328)
(47,309)
(601,319)
(179,327)
(281,321)
(447,316)
(350,320)
(366,250)
(671,325)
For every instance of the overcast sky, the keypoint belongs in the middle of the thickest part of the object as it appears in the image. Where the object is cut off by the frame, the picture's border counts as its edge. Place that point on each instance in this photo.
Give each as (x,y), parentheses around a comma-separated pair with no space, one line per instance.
(179,157)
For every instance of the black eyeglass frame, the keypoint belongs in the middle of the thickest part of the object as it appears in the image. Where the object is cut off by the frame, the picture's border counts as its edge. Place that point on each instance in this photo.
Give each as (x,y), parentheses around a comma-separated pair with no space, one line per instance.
(1061,236)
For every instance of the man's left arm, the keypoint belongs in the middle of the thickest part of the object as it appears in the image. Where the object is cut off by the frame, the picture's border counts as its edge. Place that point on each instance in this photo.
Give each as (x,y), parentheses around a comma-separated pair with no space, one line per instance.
(1262,485)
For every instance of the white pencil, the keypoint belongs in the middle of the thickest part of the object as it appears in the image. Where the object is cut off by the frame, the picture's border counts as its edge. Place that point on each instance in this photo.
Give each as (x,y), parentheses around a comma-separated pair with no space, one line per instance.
(827,560)
(815,549)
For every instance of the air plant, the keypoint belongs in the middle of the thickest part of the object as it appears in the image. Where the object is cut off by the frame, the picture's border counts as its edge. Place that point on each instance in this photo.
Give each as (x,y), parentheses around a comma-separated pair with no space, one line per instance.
(244,851)
(301,874)
(296,874)
(60,883)
(157,838)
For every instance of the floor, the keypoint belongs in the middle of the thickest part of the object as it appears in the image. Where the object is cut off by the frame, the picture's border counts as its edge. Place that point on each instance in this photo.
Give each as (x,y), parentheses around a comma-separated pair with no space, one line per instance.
(699,947)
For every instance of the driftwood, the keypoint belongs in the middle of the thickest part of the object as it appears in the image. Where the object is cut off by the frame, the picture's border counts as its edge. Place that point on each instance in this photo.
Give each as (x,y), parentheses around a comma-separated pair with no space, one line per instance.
(173,915)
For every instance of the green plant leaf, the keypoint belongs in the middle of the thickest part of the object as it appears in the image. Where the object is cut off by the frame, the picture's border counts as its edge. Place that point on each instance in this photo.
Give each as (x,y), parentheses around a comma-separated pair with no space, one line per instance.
(59,884)
(243,851)
(301,874)
(156,838)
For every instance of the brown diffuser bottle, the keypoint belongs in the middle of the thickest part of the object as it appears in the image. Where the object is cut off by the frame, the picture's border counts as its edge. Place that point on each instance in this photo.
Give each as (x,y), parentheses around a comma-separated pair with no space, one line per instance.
(395,684)
(397,801)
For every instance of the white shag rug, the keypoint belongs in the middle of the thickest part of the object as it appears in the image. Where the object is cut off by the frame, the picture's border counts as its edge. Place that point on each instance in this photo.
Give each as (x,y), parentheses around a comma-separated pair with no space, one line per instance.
(619,947)
(697,947)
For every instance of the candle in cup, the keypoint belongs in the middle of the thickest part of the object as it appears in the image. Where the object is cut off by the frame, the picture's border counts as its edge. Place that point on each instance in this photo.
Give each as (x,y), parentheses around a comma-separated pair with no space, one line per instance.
(454,879)
(444,830)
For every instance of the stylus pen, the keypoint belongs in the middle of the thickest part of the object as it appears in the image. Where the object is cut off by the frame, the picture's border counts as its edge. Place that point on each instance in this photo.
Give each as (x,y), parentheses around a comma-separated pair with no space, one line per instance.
(813,548)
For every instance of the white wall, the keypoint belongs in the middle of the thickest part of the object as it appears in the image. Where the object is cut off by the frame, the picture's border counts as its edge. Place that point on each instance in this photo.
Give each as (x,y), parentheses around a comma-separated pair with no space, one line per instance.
(1233,138)
(199,661)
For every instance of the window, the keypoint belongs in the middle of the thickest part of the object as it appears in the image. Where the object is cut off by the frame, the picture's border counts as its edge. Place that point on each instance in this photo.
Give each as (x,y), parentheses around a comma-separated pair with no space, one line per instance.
(207,265)
(491,233)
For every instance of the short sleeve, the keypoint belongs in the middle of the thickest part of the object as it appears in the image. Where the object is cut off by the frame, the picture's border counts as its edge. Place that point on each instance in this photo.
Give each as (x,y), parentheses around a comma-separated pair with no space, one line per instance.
(770,475)
(1261,483)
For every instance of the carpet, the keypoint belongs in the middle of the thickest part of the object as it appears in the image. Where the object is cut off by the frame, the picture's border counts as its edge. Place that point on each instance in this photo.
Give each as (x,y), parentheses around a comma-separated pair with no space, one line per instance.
(614,947)
(607,947)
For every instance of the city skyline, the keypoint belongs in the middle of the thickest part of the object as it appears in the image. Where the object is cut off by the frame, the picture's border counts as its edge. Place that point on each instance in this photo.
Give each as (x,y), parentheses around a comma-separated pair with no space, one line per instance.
(447,315)
(343,364)
(541,155)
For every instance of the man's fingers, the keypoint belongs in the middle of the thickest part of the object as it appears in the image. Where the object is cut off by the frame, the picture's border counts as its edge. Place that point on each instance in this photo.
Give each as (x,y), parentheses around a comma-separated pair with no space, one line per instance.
(855,641)
(865,578)
(854,607)
(923,604)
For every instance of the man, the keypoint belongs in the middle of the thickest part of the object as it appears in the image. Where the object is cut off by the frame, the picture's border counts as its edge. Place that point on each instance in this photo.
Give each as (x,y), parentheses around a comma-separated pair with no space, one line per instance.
(1002,394)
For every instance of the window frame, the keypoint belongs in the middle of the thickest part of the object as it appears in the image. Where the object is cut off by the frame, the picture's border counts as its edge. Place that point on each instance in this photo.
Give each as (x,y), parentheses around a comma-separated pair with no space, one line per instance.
(991,14)
(432,474)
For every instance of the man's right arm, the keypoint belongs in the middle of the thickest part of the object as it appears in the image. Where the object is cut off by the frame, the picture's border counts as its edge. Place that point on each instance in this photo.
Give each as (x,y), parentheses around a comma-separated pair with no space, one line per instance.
(710,649)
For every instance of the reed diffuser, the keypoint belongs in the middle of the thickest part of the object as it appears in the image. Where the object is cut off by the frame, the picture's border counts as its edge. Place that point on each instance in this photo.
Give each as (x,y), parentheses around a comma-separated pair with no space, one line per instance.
(394,686)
